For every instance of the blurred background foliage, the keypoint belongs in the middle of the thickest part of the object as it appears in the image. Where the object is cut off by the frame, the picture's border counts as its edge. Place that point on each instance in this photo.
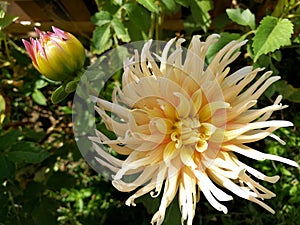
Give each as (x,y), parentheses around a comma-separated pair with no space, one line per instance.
(43,178)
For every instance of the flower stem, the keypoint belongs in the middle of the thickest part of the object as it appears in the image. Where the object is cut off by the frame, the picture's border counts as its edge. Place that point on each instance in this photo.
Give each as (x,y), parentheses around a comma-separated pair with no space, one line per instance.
(152,26)
(243,37)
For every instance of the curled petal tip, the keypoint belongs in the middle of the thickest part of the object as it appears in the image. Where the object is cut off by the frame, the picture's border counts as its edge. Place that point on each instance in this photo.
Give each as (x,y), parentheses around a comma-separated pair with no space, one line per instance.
(25,42)
(38,31)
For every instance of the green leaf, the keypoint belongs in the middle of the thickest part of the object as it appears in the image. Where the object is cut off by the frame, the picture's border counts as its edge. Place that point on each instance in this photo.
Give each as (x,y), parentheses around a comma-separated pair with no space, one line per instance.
(60,180)
(288,91)
(279,8)
(8,139)
(39,97)
(277,56)
(169,6)
(101,18)
(295,96)
(7,20)
(184,3)
(151,204)
(120,30)
(101,40)
(271,34)
(66,110)
(40,84)
(138,29)
(224,39)
(173,215)
(200,13)
(59,94)
(242,17)
(150,5)
(2,108)
(44,212)
(27,152)
(297,40)
(7,168)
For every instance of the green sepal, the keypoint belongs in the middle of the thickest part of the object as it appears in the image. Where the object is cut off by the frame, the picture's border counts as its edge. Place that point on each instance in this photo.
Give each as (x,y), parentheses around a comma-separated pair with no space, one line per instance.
(71,86)
(59,94)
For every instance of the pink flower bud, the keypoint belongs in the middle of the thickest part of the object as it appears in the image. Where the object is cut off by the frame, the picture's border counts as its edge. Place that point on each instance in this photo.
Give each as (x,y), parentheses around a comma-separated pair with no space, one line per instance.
(57,55)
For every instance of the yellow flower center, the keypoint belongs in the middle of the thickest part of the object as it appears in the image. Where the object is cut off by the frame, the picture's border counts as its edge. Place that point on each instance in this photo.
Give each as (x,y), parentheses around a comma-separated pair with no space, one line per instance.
(190,131)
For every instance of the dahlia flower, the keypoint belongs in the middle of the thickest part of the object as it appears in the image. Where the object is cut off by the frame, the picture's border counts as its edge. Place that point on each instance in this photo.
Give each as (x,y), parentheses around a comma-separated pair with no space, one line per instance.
(181,125)
(58,55)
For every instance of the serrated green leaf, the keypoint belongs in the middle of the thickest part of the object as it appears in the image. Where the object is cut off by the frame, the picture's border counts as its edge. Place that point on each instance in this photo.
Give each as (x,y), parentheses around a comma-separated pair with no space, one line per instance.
(101,18)
(121,31)
(39,97)
(271,34)
(224,39)
(101,40)
(242,17)
(150,5)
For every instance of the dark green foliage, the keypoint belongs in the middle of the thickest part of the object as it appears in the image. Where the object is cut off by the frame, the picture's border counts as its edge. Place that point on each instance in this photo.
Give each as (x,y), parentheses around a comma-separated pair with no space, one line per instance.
(43,178)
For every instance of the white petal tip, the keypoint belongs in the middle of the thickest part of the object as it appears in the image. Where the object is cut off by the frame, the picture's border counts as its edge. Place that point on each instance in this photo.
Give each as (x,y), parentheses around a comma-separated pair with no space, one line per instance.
(224,210)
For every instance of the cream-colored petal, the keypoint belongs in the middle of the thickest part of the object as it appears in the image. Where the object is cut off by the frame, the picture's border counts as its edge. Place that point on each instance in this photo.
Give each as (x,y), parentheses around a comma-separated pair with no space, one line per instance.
(231,134)
(207,129)
(117,127)
(234,78)
(209,109)
(187,196)
(170,190)
(217,192)
(108,157)
(254,154)
(227,183)
(159,179)
(142,191)
(186,156)
(164,55)
(120,111)
(206,187)
(169,153)
(143,177)
(197,102)
(184,106)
